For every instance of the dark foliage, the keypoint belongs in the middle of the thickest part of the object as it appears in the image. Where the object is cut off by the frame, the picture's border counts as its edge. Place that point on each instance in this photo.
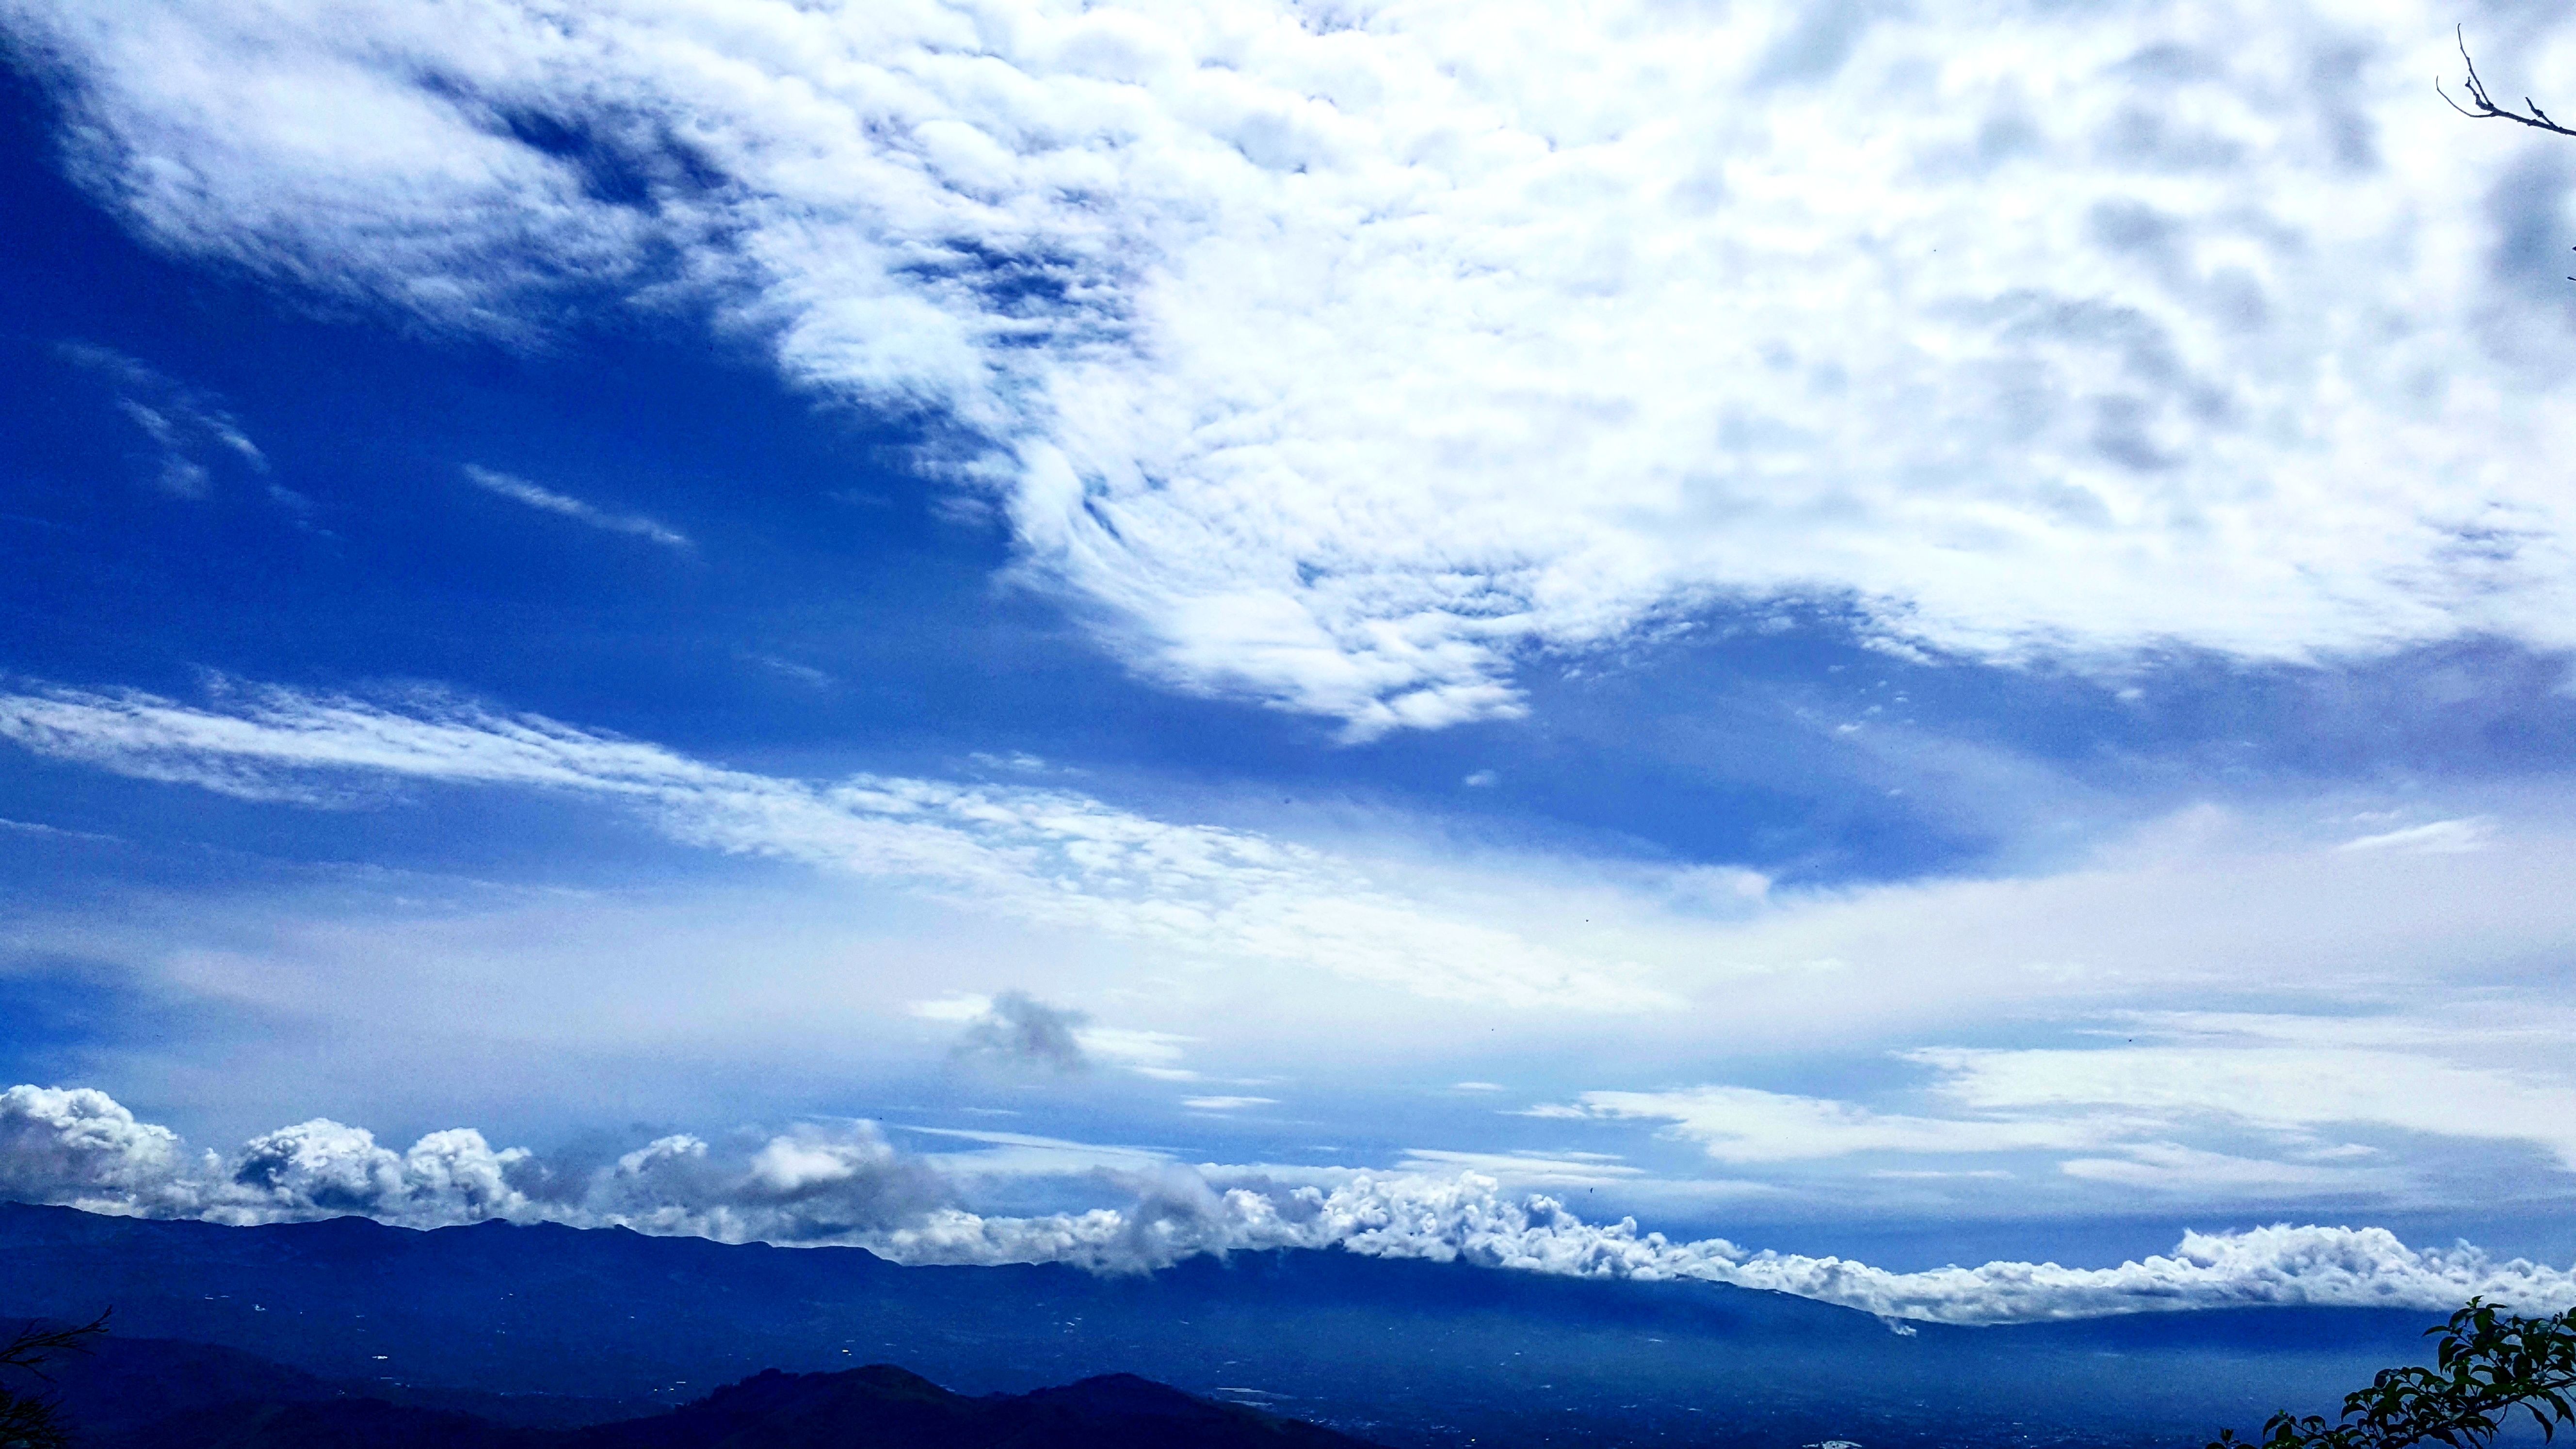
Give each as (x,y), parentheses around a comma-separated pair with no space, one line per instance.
(2487,1368)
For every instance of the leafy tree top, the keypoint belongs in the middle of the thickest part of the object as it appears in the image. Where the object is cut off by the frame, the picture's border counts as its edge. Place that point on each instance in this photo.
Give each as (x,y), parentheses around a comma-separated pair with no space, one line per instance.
(2487,1367)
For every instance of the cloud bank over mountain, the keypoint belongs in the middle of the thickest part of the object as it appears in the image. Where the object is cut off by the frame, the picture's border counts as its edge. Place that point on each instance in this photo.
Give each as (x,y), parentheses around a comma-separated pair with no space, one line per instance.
(1337,355)
(843,1184)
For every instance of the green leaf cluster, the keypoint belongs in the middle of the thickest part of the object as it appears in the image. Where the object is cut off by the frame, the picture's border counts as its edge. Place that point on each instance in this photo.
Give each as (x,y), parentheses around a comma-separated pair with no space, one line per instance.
(2487,1367)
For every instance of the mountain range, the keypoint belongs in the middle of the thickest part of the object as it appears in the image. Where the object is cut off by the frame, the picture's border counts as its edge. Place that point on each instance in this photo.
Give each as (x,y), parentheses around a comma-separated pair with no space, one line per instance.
(141,1393)
(549,1327)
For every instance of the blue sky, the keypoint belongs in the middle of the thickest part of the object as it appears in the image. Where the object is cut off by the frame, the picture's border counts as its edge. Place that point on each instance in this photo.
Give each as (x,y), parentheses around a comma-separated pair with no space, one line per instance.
(1933,636)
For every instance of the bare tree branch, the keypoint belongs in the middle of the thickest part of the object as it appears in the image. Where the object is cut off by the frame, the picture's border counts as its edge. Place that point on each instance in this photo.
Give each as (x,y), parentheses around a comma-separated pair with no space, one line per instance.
(34,1345)
(2482,107)
(28,1421)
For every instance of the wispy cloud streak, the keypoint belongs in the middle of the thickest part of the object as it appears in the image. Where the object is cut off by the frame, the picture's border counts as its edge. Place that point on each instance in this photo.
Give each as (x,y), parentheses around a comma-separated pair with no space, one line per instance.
(520,490)
(184,425)
(1044,855)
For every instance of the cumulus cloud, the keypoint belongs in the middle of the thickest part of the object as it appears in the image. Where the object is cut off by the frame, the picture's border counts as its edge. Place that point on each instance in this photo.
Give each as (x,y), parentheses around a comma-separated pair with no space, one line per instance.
(1046,856)
(813,1184)
(520,490)
(1338,355)
(843,1184)
(185,427)
(81,1147)
(322,1167)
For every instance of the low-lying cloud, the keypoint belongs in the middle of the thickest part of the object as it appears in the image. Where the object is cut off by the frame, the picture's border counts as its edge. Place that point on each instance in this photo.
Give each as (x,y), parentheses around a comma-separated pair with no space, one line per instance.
(844,1184)
(811,1183)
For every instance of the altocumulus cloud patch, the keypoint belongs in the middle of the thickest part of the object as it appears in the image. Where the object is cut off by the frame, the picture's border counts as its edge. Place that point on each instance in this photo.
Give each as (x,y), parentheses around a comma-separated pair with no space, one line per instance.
(1338,355)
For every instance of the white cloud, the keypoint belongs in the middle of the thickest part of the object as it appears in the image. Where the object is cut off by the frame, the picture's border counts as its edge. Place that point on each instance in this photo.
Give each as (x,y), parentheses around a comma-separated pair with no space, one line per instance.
(2284,1084)
(2170,1167)
(1226,1104)
(83,1147)
(2292,1075)
(520,490)
(2405,1029)
(1025,1154)
(322,1167)
(1528,1169)
(1740,1124)
(1148,1053)
(1340,358)
(1048,857)
(959,1009)
(2441,837)
(805,674)
(844,1184)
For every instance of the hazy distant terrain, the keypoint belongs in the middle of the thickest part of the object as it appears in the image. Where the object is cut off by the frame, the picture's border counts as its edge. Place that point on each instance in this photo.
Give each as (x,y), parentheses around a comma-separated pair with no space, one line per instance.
(568,1325)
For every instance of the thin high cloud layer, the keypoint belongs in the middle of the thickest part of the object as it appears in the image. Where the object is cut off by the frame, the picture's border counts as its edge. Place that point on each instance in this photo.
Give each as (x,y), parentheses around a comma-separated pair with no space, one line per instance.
(845,1185)
(2290,1094)
(1048,857)
(1337,353)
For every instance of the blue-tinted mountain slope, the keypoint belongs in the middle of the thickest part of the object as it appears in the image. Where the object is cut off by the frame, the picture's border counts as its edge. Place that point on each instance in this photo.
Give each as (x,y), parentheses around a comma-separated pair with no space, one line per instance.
(1403,1351)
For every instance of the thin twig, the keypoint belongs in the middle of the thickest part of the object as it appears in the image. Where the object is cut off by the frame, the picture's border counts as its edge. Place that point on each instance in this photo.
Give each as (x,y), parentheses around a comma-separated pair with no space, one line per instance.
(34,1345)
(2482,107)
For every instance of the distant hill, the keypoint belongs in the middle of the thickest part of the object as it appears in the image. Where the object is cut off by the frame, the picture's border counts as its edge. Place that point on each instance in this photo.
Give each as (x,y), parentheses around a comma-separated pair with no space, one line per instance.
(1404,1352)
(221,1399)
(123,1383)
